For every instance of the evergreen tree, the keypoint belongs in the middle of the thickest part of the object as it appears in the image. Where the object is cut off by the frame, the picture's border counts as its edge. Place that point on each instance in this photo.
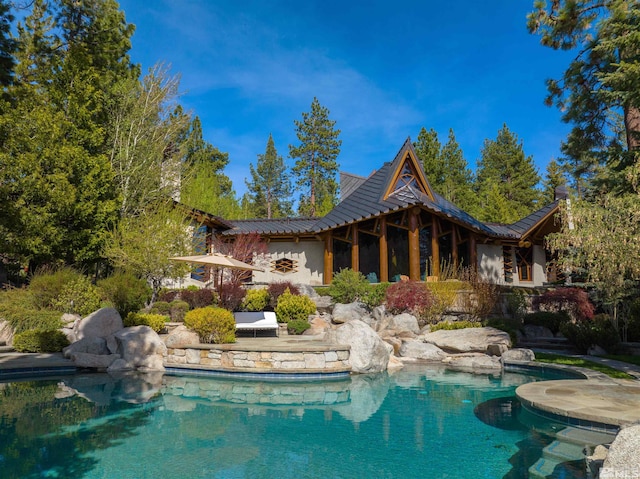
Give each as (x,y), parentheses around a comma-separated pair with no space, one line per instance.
(457,184)
(428,150)
(316,166)
(555,177)
(7,44)
(504,165)
(601,80)
(270,188)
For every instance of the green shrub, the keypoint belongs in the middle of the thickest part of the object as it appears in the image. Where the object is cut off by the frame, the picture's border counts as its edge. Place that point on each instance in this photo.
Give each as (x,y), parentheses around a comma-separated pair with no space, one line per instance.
(47,284)
(348,286)
(278,288)
(126,292)
(256,300)
(297,326)
(599,331)
(17,306)
(375,295)
(177,310)
(291,307)
(548,319)
(39,341)
(212,324)
(516,300)
(450,326)
(161,307)
(154,321)
(79,296)
(444,294)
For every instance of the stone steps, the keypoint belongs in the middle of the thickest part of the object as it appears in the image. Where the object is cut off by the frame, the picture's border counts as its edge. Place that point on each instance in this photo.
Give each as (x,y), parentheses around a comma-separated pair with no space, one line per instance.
(548,344)
(570,446)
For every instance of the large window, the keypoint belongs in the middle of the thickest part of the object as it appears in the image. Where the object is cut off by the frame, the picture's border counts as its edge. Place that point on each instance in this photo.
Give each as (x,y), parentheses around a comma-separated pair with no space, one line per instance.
(524,258)
(341,255)
(369,256)
(398,247)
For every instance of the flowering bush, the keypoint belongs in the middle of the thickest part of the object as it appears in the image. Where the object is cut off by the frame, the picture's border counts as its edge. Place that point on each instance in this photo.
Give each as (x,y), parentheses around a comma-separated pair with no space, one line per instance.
(408,297)
(574,301)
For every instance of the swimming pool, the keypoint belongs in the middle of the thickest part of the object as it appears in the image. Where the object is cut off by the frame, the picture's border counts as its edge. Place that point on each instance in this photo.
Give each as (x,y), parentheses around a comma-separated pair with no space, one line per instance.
(421,422)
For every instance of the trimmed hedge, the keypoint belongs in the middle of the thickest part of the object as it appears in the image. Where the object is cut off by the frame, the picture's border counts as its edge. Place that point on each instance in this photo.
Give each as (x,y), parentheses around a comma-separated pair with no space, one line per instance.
(291,308)
(38,341)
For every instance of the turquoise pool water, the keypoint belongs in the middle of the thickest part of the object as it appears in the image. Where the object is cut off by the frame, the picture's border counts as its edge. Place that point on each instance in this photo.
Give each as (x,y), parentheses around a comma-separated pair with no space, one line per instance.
(421,422)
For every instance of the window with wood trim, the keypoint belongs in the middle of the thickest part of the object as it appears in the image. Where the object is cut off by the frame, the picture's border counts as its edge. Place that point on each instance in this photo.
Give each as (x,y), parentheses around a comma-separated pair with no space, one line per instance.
(524,259)
(284,266)
(407,177)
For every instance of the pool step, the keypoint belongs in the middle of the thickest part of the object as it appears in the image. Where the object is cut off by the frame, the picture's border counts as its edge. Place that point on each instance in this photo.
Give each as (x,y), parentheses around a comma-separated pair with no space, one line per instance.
(569,446)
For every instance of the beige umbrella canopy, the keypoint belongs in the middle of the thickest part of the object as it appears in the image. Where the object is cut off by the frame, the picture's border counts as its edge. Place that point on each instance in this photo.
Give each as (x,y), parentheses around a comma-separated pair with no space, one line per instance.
(219,260)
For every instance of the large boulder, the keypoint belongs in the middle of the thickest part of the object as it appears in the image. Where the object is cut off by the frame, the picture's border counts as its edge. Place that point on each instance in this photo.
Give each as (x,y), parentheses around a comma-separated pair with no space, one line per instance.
(343,313)
(535,331)
(468,340)
(623,459)
(518,354)
(319,325)
(324,304)
(414,349)
(6,333)
(88,345)
(369,354)
(99,324)
(137,347)
(95,361)
(476,362)
(404,322)
(180,337)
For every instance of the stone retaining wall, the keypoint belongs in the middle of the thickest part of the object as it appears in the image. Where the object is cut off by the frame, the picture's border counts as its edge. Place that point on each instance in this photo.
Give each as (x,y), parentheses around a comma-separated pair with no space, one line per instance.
(226,357)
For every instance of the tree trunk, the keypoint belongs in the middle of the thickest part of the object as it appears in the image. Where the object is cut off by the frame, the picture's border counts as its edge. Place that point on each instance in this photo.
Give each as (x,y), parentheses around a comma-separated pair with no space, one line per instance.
(632,127)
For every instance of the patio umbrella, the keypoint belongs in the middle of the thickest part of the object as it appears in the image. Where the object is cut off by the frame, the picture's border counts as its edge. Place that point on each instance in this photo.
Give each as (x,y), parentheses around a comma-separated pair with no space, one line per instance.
(219,260)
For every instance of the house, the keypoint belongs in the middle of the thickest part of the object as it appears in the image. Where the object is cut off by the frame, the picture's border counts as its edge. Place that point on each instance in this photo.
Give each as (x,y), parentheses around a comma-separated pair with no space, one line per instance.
(392,225)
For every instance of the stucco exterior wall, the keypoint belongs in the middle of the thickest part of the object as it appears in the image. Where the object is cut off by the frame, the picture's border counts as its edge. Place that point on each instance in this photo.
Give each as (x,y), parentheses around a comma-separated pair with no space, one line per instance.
(309,256)
(490,263)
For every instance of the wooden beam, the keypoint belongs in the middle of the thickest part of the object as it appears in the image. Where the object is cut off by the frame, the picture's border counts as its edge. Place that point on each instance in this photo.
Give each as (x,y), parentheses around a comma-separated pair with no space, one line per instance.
(454,245)
(328,258)
(435,248)
(414,247)
(384,251)
(473,247)
(355,250)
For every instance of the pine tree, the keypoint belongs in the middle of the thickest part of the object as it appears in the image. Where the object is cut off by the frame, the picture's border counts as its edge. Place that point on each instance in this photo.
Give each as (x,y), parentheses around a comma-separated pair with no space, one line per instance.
(316,167)
(270,188)
(7,44)
(428,150)
(602,79)
(555,177)
(504,165)
(457,184)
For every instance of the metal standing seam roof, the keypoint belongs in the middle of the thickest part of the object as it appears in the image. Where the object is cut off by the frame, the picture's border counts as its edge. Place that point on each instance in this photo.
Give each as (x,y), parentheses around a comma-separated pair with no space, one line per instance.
(276,226)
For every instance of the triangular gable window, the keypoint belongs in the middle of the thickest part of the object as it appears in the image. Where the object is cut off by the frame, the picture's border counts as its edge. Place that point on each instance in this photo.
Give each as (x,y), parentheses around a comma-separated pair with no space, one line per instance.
(407,177)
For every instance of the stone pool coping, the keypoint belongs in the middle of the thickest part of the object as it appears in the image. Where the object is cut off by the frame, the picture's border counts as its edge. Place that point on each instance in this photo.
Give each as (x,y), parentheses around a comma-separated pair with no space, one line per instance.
(597,401)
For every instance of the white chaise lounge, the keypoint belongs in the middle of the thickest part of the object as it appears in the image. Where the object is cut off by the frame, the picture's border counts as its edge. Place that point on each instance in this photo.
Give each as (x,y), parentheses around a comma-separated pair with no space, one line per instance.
(256,321)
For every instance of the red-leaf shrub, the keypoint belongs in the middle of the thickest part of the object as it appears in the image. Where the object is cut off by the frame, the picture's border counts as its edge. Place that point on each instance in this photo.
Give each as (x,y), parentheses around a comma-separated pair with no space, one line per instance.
(231,296)
(408,296)
(276,289)
(573,301)
(200,298)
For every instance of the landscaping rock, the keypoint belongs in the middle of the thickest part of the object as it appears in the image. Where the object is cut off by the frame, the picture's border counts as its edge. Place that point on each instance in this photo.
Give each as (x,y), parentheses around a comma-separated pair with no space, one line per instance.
(135,345)
(343,313)
(395,343)
(394,363)
(496,349)
(69,319)
(96,361)
(414,349)
(93,346)
(181,337)
(518,354)
(474,362)
(369,354)
(324,304)
(307,290)
(99,324)
(467,340)
(404,322)
(6,333)
(623,459)
(319,325)
(533,331)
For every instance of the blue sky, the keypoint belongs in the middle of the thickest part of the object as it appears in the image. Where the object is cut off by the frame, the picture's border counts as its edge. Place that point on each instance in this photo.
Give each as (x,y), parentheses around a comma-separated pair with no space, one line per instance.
(384,69)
